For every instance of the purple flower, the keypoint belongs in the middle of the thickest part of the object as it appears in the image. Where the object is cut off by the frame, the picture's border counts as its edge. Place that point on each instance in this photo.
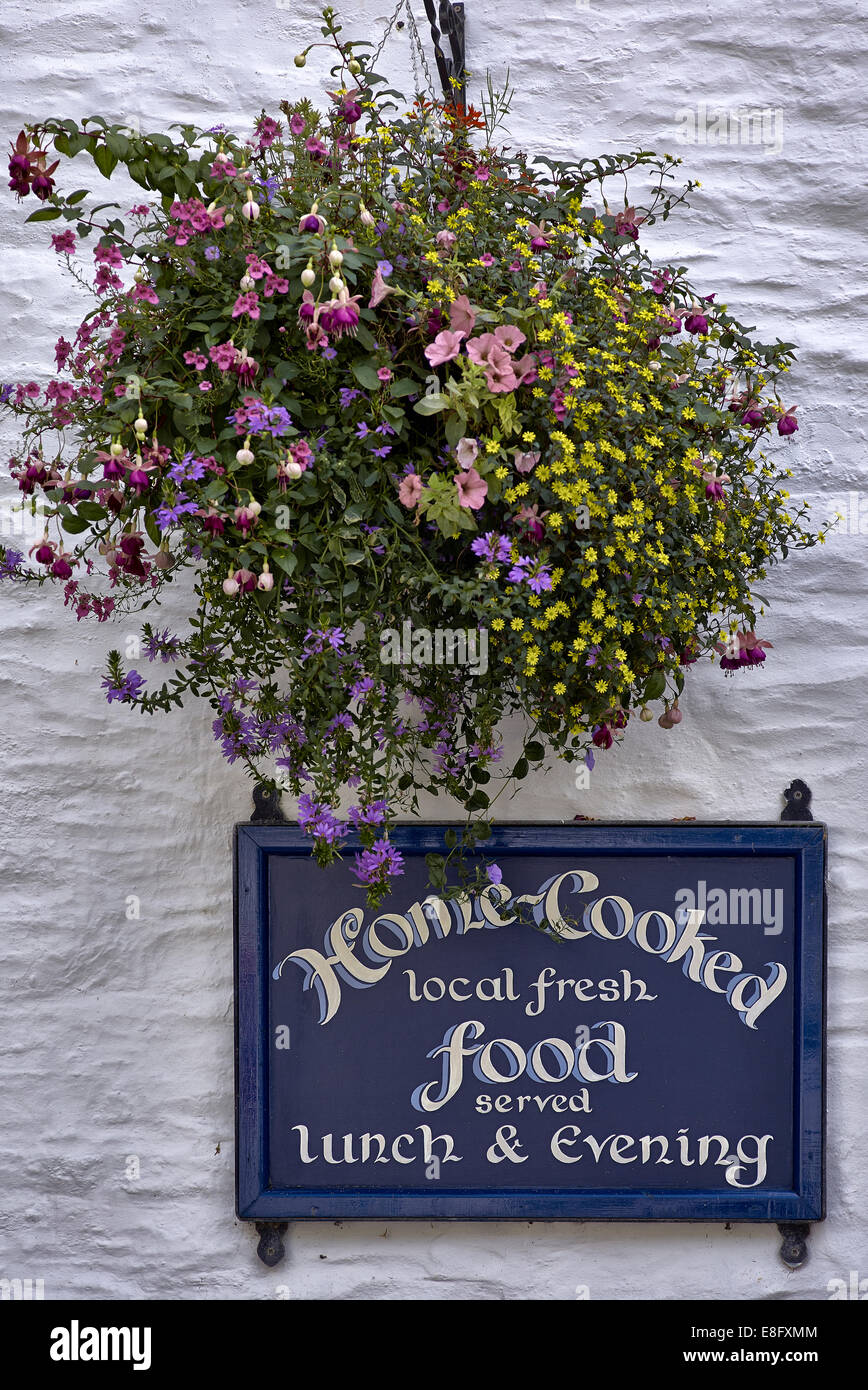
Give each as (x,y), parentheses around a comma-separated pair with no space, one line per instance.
(378,864)
(491,547)
(9,564)
(161,644)
(318,820)
(212,253)
(495,873)
(347,394)
(127,691)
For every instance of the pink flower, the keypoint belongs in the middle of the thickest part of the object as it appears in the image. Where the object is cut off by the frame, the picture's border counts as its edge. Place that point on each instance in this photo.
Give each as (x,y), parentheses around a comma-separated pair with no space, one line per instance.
(525,369)
(486,259)
(509,336)
(461,316)
(224,355)
(64,243)
(444,348)
(481,173)
(195,359)
(379,289)
(488,352)
(524,462)
(204,386)
(246,304)
(410,490)
(384,374)
(297,124)
(472,490)
(466,452)
(446,239)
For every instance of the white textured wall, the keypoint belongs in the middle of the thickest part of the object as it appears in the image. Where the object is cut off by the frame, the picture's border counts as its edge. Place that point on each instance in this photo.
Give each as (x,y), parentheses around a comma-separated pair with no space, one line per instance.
(116,1034)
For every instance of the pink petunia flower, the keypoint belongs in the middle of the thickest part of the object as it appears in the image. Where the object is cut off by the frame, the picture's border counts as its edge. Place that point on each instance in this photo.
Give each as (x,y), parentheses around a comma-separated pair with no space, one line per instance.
(410,490)
(472,489)
(509,336)
(466,452)
(444,348)
(461,317)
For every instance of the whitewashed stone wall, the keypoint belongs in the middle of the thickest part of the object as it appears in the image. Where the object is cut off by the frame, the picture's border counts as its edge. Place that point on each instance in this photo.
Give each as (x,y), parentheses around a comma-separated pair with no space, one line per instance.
(116,1033)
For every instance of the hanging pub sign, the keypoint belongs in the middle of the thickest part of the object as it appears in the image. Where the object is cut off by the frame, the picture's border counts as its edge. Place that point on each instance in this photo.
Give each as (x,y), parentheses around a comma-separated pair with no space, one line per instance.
(627,1025)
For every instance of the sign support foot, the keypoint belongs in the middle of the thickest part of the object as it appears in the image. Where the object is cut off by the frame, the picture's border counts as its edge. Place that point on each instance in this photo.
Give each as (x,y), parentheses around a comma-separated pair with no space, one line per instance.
(794,1246)
(271,1249)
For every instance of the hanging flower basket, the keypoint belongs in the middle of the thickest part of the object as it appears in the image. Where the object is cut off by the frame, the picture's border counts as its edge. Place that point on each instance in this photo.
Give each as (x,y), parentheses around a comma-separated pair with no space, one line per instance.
(437,439)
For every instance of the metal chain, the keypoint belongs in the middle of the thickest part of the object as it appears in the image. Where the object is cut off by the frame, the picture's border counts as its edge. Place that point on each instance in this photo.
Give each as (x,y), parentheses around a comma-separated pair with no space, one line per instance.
(417,49)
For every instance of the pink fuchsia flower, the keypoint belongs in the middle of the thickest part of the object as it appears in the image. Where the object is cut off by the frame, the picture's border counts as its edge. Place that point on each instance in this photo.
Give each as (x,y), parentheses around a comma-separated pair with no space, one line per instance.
(466,451)
(788,424)
(537,235)
(740,650)
(627,223)
(410,490)
(312,222)
(462,318)
(714,483)
(341,315)
(524,462)
(64,243)
(444,348)
(297,124)
(509,337)
(472,489)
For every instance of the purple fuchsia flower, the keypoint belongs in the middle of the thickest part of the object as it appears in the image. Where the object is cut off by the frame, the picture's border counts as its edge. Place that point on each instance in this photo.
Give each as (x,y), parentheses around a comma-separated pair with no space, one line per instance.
(379,864)
(602,736)
(695,321)
(492,548)
(788,424)
(742,649)
(127,691)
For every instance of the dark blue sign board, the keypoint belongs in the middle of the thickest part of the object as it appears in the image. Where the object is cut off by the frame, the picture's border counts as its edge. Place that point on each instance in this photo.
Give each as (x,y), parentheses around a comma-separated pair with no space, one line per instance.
(629,1026)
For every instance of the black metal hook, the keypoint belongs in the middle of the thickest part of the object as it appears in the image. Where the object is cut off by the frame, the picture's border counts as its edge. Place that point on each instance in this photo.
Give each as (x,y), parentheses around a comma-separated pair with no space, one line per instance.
(451,25)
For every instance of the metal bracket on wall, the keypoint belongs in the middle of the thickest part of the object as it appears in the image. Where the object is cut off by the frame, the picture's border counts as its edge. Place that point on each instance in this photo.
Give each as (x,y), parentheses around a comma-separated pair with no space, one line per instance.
(450,19)
(266,807)
(271,1249)
(794,1245)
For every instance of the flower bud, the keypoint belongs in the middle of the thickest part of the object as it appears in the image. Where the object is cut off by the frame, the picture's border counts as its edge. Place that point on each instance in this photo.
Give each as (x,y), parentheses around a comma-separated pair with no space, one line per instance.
(265,582)
(675,715)
(335,256)
(354,66)
(229,219)
(230,586)
(366,217)
(646,714)
(250,209)
(141,425)
(254,507)
(163,560)
(299,60)
(245,456)
(308,276)
(292,469)
(116,449)
(246,284)
(336,284)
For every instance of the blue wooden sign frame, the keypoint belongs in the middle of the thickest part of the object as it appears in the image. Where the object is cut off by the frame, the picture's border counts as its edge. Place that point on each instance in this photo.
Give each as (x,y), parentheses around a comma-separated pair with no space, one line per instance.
(261,849)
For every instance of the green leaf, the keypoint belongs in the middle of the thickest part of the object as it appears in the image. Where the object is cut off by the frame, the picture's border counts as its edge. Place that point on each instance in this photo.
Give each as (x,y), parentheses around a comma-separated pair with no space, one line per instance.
(105,161)
(366,374)
(74,524)
(535,752)
(429,405)
(152,529)
(521,769)
(404,386)
(44,215)
(654,686)
(287,561)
